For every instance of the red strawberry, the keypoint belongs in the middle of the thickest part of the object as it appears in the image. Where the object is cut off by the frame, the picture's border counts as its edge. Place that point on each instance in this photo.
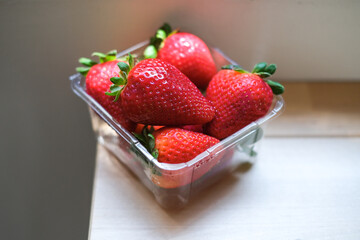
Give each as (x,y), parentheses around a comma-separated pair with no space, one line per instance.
(240,97)
(157,93)
(175,145)
(140,127)
(194,128)
(97,83)
(185,51)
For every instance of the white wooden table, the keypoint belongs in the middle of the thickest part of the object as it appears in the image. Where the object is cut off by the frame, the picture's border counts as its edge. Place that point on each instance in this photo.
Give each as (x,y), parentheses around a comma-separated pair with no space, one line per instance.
(300,188)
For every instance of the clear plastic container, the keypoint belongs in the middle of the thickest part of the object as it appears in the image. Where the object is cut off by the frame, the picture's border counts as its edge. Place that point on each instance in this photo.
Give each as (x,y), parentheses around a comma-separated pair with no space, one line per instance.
(174,184)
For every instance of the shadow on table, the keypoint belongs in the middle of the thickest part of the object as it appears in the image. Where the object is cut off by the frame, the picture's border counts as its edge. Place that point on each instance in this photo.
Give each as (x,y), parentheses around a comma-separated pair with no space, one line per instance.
(210,197)
(201,206)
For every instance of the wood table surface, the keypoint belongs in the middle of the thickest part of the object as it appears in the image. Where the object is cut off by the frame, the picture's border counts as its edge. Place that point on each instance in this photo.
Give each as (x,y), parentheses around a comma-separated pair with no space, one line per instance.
(304,185)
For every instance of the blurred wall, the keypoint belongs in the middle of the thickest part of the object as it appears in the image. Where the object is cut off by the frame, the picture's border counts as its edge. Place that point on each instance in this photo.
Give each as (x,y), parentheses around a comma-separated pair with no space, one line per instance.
(47,147)
(308,39)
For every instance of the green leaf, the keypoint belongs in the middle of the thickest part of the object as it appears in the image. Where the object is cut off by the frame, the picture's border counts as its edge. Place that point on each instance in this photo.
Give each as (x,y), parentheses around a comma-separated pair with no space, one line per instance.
(150,135)
(124,67)
(152,129)
(139,137)
(263,74)
(99,54)
(150,52)
(230,67)
(115,89)
(145,131)
(276,87)
(155,41)
(167,28)
(270,69)
(83,70)
(130,60)
(147,140)
(235,68)
(161,34)
(112,53)
(117,96)
(155,153)
(240,70)
(109,58)
(151,143)
(111,93)
(260,67)
(87,62)
(118,80)
(123,74)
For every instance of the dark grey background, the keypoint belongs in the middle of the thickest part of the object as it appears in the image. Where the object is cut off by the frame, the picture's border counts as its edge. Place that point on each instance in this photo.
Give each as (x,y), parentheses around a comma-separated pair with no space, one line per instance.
(47,146)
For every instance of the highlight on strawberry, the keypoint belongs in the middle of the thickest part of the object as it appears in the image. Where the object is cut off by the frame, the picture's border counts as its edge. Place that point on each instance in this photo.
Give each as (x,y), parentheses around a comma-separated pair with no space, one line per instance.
(240,97)
(185,51)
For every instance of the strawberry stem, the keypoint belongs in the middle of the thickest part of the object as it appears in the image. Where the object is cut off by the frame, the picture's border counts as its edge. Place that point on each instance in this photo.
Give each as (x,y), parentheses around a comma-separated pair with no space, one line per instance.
(236,68)
(263,70)
(120,82)
(157,41)
(88,63)
(147,139)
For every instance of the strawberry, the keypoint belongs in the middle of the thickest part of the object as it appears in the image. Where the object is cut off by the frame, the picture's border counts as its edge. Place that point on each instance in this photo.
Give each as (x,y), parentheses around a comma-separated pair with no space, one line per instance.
(97,83)
(157,93)
(176,145)
(240,97)
(194,128)
(140,127)
(185,51)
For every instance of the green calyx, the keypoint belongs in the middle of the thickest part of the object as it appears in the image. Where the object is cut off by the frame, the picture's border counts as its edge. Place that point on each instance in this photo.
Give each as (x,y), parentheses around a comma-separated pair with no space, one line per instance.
(88,63)
(157,41)
(276,87)
(236,68)
(120,82)
(263,70)
(147,139)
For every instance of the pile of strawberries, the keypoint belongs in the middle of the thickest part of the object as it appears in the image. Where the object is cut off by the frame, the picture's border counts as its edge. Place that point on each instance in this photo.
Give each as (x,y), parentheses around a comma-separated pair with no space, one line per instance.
(159,97)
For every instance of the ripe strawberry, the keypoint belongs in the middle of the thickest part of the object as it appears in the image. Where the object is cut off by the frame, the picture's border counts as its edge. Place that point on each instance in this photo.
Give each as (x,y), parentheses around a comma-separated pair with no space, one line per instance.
(185,51)
(157,93)
(175,145)
(140,127)
(97,83)
(194,128)
(240,97)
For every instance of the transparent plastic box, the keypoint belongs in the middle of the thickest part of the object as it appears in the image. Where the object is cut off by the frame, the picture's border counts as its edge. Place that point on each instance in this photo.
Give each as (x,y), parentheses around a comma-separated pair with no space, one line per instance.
(173,185)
